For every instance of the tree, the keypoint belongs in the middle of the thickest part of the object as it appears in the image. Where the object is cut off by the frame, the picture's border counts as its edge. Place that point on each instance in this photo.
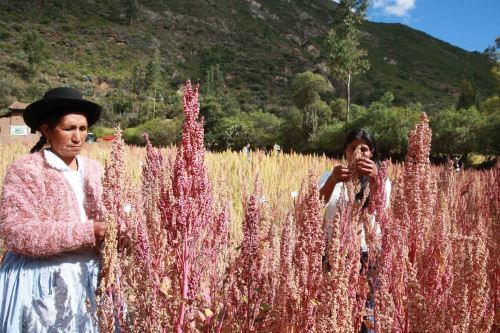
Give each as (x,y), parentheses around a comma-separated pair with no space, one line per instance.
(231,133)
(488,138)
(212,113)
(495,71)
(345,56)
(492,52)
(457,132)
(152,74)
(306,89)
(62,4)
(64,9)
(264,125)
(329,139)
(291,125)
(468,95)
(215,81)
(137,79)
(338,106)
(131,10)
(162,132)
(152,77)
(35,48)
(389,124)
(488,135)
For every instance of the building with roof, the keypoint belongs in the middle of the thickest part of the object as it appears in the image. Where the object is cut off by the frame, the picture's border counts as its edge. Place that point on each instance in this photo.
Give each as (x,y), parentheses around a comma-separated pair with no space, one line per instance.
(12,123)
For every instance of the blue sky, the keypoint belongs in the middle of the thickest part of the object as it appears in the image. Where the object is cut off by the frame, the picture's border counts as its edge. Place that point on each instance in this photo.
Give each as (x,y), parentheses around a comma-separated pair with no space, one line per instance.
(470,24)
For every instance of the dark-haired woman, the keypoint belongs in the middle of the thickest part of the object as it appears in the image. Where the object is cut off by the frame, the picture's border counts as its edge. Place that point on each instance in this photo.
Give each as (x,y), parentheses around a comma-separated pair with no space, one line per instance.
(366,167)
(50,222)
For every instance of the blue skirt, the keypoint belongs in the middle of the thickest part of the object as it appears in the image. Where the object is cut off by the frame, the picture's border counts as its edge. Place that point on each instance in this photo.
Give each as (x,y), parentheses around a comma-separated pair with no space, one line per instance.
(49,295)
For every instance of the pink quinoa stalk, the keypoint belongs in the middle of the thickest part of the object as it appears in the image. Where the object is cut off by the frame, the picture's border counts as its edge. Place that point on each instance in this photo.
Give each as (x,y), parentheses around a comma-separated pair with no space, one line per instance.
(309,249)
(286,295)
(190,188)
(419,185)
(403,236)
(188,218)
(214,278)
(110,289)
(153,182)
(113,180)
(247,269)
(154,294)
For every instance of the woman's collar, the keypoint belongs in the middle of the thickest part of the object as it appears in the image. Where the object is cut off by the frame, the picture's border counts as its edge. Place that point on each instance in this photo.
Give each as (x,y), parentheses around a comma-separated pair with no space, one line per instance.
(57,163)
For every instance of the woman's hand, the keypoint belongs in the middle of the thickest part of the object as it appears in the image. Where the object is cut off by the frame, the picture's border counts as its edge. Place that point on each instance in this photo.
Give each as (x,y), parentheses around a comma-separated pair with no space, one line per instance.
(100,230)
(366,167)
(100,234)
(124,243)
(341,174)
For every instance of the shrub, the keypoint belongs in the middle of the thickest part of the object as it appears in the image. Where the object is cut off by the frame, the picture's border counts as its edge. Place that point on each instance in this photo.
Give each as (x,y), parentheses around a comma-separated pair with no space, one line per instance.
(162,132)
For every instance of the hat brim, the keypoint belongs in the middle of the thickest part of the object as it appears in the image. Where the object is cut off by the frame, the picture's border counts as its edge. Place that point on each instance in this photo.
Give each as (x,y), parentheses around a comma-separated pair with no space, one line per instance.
(36,111)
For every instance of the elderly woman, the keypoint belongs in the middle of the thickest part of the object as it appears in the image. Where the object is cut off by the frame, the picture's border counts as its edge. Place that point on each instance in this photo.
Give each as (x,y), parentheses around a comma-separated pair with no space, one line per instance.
(50,222)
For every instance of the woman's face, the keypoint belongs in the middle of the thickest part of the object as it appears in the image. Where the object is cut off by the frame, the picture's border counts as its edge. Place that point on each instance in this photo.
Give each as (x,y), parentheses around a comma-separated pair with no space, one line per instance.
(66,139)
(363,146)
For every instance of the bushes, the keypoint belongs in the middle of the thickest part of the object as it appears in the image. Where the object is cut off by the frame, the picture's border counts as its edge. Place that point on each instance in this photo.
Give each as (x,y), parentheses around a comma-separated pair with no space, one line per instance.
(8,93)
(162,132)
(102,131)
(233,132)
(468,130)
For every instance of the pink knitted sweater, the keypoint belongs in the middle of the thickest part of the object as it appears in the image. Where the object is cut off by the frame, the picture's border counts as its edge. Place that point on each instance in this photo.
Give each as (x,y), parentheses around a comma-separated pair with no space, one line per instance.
(39,214)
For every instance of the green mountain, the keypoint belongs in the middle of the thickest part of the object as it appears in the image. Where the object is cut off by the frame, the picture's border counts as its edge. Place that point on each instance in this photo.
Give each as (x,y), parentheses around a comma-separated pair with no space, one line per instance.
(259,45)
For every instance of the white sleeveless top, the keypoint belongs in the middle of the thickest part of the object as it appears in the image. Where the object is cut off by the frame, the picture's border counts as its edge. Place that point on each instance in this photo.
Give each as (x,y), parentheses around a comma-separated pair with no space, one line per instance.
(331,207)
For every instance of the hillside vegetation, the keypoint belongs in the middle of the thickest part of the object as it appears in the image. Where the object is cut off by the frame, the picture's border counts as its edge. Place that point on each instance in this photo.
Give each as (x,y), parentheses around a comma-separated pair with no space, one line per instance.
(133,58)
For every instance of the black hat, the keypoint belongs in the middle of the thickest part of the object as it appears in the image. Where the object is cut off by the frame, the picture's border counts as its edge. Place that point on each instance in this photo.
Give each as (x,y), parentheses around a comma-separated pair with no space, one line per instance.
(57,100)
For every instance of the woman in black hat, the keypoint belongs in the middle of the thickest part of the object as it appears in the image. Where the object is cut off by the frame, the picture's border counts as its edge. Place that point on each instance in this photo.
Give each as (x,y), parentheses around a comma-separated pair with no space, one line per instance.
(50,214)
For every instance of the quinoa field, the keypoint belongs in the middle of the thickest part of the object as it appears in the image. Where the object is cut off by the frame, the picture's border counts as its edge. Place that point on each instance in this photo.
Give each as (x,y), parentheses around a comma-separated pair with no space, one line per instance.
(224,242)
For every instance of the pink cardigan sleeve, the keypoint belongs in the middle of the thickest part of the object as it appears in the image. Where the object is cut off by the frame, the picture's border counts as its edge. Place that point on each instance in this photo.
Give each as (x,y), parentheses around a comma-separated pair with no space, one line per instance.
(29,227)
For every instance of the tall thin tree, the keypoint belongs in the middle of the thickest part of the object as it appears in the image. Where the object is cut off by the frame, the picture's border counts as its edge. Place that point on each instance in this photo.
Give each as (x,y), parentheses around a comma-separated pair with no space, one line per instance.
(346,57)
(131,10)
(35,48)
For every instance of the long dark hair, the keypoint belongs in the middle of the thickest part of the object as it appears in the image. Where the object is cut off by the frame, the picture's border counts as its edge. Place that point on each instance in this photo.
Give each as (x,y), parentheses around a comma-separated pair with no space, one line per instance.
(51,119)
(365,136)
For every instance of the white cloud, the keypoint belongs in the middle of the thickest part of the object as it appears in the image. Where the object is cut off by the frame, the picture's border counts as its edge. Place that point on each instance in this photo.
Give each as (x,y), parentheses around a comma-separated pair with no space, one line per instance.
(395,7)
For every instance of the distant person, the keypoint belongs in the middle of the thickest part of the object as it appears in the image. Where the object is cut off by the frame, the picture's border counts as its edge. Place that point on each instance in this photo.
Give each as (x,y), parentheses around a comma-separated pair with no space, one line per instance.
(332,186)
(277,149)
(456,163)
(50,222)
(246,151)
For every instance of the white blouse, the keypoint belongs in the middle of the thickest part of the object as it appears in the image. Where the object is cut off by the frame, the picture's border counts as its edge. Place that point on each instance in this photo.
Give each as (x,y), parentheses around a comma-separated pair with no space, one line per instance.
(75,178)
(331,207)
